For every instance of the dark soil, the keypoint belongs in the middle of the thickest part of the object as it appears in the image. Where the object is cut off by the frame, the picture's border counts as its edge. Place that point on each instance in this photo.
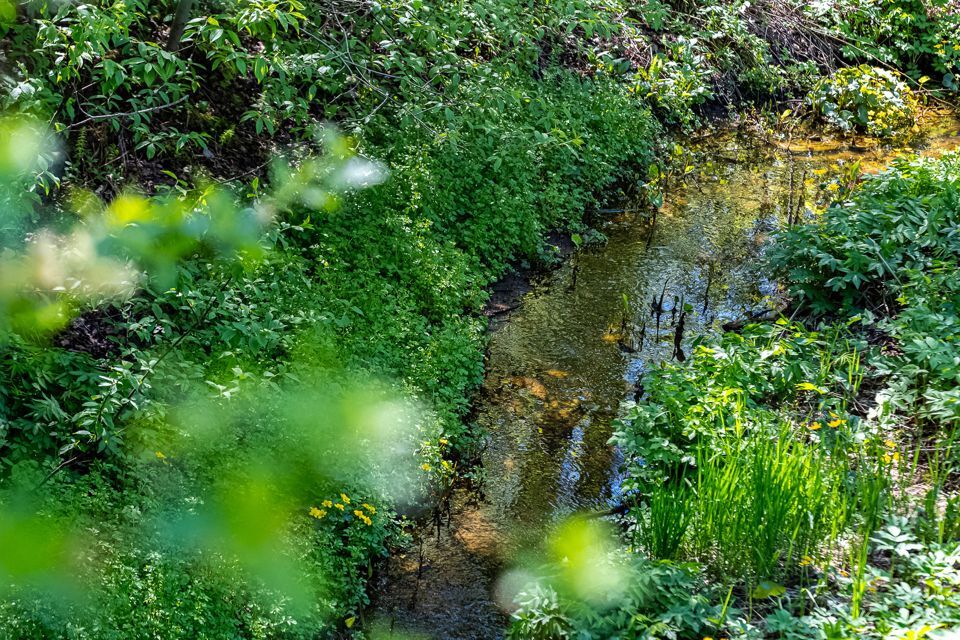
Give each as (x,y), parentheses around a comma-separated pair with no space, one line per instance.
(93,332)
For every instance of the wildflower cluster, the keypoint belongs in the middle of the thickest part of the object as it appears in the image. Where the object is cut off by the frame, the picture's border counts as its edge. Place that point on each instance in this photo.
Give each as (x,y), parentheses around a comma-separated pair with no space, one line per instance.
(833,421)
(360,514)
(434,454)
(890,453)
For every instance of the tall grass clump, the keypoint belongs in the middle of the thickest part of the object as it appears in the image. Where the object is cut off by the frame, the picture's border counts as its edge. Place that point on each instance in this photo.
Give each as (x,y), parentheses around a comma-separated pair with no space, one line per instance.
(670,510)
(747,459)
(764,502)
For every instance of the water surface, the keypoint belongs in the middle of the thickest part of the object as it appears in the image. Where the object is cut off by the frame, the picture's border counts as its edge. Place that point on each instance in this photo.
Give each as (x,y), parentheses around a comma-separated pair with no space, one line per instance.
(561,366)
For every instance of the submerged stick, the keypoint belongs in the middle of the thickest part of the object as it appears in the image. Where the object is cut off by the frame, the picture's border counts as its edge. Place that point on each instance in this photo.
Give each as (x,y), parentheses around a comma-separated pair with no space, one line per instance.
(653,228)
(802,198)
(678,338)
(575,273)
(790,195)
(706,294)
(638,389)
(663,292)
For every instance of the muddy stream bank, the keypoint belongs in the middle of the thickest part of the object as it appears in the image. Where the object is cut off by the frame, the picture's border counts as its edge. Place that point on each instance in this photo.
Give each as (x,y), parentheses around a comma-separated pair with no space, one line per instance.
(562,363)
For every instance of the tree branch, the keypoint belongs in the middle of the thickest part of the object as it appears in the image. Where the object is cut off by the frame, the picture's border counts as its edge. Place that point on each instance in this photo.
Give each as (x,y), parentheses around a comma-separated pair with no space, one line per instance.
(107,116)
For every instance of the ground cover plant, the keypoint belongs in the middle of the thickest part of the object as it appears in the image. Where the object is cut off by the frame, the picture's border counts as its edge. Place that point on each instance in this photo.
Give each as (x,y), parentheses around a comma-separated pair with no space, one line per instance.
(224,221)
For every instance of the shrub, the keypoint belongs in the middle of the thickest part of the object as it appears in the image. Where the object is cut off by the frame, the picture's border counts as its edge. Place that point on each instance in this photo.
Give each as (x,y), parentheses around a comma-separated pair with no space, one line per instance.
(889,253)
(915,36)
(660,600)
(866,99)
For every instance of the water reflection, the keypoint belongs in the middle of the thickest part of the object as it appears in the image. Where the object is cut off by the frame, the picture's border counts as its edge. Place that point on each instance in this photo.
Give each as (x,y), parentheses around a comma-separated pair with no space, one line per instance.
(562,365)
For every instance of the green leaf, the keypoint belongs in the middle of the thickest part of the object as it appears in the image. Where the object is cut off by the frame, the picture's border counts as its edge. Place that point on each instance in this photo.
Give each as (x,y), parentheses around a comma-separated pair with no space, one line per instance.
(767,589)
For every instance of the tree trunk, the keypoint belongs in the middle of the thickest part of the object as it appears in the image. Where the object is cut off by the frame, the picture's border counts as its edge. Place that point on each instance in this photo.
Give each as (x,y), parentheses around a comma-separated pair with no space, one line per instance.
(179,23)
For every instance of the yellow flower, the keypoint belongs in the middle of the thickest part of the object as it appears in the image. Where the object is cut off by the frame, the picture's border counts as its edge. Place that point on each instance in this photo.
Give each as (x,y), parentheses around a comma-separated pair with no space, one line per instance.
(444,441)
(367,520)
(160,455)
(339,506)
(327,503)
(806,561)
(370,508)
(890,444)
(425,467)
(814,426)
(317,513)
(836,422)
(358,513)
(345,499)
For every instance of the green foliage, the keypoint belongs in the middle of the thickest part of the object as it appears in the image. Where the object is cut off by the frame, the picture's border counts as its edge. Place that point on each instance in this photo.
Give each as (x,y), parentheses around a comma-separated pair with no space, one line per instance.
(915,36)
(661,600)
(884,253)
(758,459)
(677,81)
(228,378)
(383,284)
(745,458)
(740,380)
(252,70)
(910,592)
(868,99)
(142,593)
(866,248)
(133,578)
(132,241)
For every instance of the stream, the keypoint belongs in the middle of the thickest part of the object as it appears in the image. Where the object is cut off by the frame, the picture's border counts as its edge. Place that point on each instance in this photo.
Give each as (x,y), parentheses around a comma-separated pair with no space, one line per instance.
(561,365)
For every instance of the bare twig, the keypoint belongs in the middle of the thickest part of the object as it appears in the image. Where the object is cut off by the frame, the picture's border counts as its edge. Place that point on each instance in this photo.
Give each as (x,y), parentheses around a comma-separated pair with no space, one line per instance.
(107,116)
